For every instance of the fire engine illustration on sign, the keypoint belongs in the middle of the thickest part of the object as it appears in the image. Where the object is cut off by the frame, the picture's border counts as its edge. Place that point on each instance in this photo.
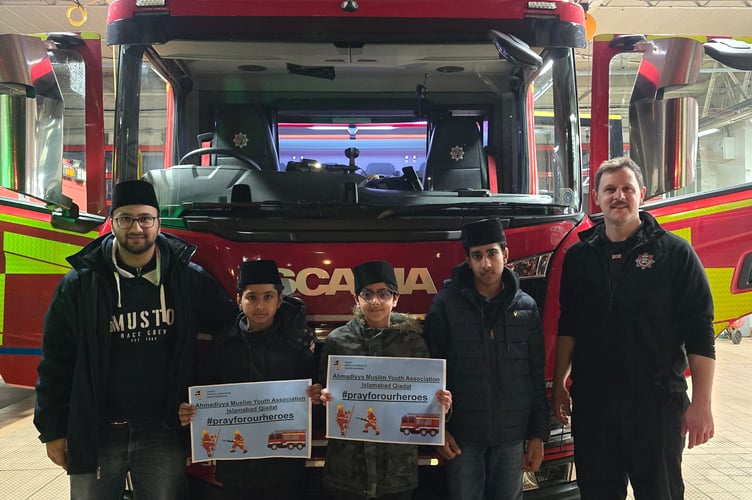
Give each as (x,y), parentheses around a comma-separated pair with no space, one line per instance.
(420,423)
(287,439)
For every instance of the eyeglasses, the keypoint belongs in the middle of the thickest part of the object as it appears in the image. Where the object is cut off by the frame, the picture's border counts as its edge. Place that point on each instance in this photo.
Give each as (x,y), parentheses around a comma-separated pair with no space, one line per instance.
(126,221)
(384,295)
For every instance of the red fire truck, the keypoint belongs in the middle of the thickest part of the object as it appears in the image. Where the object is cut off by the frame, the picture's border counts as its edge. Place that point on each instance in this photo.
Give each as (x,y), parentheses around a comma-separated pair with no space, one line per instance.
(419,424)
(687,116)
(51,117)
(489,87)
(286,439)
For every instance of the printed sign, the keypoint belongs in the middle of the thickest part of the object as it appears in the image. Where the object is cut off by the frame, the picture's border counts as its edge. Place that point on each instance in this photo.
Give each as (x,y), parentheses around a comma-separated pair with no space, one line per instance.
(388,400)
(251,420)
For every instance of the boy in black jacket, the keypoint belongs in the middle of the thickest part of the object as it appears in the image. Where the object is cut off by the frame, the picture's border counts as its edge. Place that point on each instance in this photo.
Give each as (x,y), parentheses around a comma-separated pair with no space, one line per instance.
(268,341)
(490,333)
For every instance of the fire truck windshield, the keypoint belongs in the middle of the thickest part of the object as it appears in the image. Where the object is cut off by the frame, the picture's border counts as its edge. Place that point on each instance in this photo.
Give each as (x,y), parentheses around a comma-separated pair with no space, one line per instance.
(391,124)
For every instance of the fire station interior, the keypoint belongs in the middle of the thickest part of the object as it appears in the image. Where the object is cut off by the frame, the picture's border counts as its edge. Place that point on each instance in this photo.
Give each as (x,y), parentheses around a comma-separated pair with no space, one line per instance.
(270,117)
(271,169)
(610,16)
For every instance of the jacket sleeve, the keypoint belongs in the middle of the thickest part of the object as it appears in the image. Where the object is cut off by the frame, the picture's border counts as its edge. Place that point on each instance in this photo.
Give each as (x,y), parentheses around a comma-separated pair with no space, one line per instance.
(693,306)
(436,329)
(324,361)
(211,370)
(539,424)
(216,309)
(56,369)
(568,297)
(306,366)
(303,340)
(416,346)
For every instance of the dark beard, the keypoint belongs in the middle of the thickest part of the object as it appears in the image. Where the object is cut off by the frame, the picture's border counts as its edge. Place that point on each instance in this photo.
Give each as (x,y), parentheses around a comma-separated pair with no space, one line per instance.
(126,246)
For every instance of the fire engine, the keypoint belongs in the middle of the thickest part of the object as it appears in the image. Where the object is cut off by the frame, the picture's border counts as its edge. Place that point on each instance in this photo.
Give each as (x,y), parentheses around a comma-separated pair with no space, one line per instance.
(287,439)
(288,130)
(414,423)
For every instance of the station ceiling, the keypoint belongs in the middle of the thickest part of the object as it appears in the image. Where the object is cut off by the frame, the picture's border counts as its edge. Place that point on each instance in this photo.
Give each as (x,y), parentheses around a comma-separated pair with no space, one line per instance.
(688,17)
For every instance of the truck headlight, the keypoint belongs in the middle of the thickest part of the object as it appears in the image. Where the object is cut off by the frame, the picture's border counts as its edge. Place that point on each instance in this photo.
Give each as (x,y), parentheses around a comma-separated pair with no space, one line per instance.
(535,266)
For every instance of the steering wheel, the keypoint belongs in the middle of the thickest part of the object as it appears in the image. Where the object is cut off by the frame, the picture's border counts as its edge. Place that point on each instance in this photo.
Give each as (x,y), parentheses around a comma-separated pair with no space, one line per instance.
(412,179)
(246,162)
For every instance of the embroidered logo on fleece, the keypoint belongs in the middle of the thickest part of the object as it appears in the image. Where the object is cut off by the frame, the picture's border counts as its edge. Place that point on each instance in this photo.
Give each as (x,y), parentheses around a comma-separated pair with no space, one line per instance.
(644,261)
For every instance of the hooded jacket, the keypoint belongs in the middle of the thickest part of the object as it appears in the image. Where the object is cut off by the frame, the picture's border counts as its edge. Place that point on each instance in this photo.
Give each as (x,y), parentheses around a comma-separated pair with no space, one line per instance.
(73,374)
(282,352)
(366,468)
(495,360)
(633,332)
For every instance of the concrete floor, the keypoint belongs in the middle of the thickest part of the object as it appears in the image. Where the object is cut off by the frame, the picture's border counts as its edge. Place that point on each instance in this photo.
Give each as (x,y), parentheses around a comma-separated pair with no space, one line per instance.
(718,470)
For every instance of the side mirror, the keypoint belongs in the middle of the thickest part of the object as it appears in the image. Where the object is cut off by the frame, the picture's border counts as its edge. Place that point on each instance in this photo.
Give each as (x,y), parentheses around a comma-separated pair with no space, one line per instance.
(663,132)
(31,121)
(663,141)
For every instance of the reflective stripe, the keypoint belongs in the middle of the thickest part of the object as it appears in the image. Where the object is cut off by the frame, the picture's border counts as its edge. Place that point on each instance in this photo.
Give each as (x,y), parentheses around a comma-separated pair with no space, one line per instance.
(32,255)
(41,224)
(23,351)
(700,212)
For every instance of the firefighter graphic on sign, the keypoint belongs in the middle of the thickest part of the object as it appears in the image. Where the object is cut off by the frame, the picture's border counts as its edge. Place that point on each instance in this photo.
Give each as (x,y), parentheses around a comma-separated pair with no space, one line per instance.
(370,421)
(209,442)
(238,441)
(343,419)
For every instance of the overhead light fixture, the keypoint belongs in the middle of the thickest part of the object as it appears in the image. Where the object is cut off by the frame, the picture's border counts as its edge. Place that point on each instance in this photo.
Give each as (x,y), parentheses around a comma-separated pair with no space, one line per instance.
(151,3)
(541,5)
(710,131)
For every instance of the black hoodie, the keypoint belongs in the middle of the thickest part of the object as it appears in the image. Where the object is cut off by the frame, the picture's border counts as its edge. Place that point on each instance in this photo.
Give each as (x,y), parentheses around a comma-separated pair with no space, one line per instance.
(73,372)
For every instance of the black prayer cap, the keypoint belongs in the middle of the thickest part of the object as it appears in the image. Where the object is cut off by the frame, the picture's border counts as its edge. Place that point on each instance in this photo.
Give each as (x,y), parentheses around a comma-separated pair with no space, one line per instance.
(258,272)
(483,232)
(133,193)
(375,271)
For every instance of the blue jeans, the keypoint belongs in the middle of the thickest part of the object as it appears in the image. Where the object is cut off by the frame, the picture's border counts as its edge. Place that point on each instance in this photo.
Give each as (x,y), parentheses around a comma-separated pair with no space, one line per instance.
(151,453)
(484,472)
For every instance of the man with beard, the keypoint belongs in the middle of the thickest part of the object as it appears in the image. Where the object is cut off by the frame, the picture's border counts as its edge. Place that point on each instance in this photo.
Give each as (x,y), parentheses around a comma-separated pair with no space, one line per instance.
(490,333)
(636,309)
(119,344)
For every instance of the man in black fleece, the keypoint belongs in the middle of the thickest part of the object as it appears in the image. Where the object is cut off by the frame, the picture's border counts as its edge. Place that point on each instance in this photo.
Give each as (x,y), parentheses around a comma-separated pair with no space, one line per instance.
(490,333)
(636,309)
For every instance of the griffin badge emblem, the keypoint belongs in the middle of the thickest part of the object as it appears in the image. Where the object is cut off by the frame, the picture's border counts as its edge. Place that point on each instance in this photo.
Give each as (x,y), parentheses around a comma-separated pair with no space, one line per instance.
(644,261)
(457,153)
(240,140)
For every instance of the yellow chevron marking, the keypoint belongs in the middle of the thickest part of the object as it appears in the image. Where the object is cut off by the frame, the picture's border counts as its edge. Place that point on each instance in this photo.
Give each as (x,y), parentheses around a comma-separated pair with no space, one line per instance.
(727,305)
(700,212)
(17,264)
(2,307)
(684,233)
(23,221)
(32,255)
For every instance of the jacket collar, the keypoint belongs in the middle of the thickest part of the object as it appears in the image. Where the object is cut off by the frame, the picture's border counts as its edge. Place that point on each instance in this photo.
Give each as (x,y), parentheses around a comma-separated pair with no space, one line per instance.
(399,322)
(464,281)
(649,230)
(97,254)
